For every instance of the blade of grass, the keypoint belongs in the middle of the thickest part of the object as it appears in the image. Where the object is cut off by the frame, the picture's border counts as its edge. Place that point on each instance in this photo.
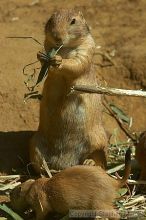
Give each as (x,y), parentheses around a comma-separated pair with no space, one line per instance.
(10,212)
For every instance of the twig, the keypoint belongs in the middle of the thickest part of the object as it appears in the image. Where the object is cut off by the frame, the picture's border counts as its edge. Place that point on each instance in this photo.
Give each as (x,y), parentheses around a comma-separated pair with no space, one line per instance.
(108,91)
(10,177)
(107,56)
(126,131)
(29,37)
(28,65)
(46,168)
(140,199)
(9,186)
(115,169)
(40,204)
(54,171)
(137,182)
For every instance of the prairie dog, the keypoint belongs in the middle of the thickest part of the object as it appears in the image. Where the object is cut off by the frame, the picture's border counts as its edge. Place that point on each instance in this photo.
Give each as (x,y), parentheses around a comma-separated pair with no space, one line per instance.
(79,188)
(70,129)
(140,155)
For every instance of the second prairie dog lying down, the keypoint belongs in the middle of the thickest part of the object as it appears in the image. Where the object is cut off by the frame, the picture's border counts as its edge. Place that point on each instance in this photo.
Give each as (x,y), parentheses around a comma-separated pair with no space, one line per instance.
(70,128)
(79,188)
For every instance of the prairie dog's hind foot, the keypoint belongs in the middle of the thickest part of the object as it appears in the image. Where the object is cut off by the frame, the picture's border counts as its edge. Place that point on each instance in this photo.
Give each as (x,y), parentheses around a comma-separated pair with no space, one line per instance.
(89,162)
(37,151)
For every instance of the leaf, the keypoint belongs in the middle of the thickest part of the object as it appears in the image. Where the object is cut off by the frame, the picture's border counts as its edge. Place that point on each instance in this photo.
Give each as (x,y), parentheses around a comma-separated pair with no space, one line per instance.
(32,95)
(43,73)
(10,212)
(115,169)
(4,187)
(120,205)
(122,191)
(38,96)
(120,113)
(45,67)
(52,53)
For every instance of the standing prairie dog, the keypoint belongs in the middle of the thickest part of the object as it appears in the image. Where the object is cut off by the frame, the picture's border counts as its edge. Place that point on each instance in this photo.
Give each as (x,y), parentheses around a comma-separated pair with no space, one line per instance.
(70,128)
(80,188)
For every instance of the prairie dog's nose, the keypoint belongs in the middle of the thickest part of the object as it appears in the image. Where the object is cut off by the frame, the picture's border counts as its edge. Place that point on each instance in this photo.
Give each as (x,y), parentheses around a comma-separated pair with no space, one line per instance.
(58,39)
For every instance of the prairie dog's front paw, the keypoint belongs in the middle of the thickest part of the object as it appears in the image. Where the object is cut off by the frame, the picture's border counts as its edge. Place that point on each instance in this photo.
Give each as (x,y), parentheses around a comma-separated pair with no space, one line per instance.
(89,162)
(42,57)
(56,61)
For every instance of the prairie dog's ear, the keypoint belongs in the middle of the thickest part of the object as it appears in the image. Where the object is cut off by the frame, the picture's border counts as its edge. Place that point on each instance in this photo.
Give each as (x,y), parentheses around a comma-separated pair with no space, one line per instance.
(46,25)
(81,14)
(78,10)
(15,193)
(18,191)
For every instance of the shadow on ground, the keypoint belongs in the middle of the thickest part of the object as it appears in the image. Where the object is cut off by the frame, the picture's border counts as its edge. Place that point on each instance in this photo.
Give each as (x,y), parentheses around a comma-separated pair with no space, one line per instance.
(14,151)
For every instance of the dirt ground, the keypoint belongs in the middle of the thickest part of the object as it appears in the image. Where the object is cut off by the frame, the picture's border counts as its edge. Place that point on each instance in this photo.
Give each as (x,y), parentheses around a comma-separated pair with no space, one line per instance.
(118,28)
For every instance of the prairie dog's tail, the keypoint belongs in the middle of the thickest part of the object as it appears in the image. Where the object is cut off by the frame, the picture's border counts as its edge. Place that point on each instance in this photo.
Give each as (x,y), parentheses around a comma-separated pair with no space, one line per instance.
(127,169)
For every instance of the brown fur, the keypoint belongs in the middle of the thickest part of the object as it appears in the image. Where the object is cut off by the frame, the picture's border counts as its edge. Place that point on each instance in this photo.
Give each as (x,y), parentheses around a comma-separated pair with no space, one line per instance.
(78,187)
(70,128)
(140,155)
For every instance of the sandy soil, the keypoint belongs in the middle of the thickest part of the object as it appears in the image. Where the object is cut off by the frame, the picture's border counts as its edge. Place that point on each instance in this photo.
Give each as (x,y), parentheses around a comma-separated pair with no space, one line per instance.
(118,27)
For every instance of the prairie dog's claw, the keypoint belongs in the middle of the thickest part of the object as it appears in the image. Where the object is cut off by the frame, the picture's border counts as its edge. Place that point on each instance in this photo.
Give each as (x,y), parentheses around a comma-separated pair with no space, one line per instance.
(42,56)
(89,162)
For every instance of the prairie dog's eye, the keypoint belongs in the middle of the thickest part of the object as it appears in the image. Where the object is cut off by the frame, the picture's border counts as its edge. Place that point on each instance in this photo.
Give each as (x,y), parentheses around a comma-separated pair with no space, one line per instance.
(73,21)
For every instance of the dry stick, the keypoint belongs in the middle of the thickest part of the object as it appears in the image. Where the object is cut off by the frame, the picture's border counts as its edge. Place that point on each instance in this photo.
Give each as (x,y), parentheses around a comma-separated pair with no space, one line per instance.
(9,186)
(137,182)
(40,204)
(55,171)
(140,199)
(28,65)
(29,37)
(107,56)
(47,168)
(9,177)
(126,131)
(115,169)
(132,182)
(108,91)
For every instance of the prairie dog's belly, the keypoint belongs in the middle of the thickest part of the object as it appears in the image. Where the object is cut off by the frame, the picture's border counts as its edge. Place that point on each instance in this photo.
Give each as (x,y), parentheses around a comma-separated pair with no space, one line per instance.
(65,153)
(67,138)
(66,121)
(69,113)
